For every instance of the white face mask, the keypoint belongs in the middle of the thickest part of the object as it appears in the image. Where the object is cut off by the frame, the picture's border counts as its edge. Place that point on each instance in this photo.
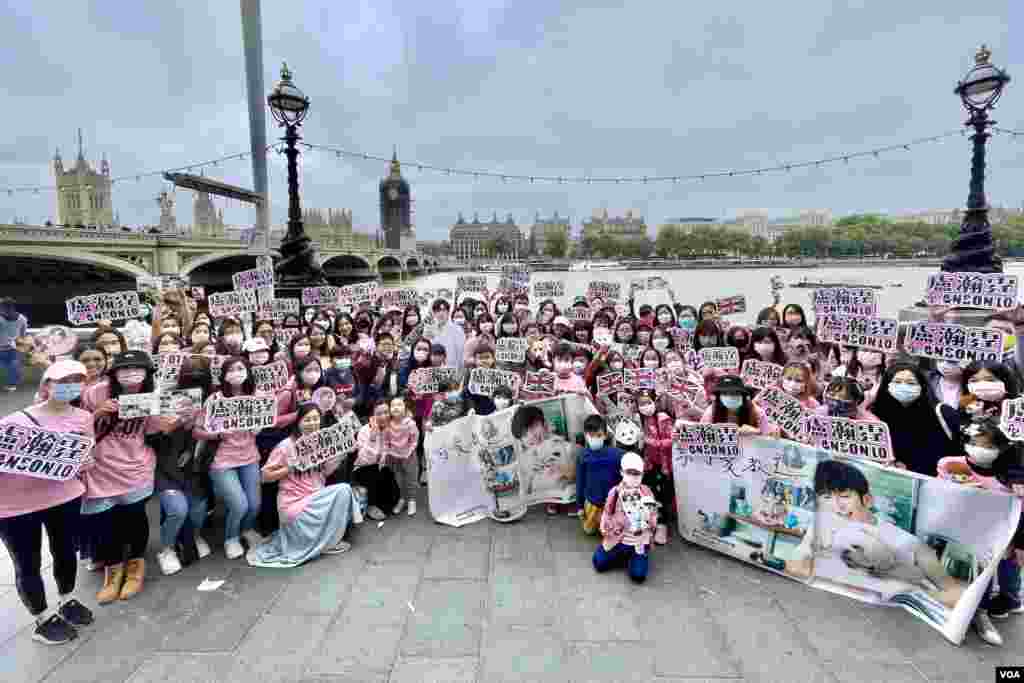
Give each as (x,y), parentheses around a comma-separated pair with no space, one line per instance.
(660,344)
(421,356)
(981,455)
(647,409)
(652,363)
(594,443)
(131,377)
(664,318)
(792,387)
(675,365)
(501,403)
(237,377)
(508,329)
(764,350)
(950,370)
(616,365)
(259,357)
(311,377)
(869,360)
(632,481)
(987,390)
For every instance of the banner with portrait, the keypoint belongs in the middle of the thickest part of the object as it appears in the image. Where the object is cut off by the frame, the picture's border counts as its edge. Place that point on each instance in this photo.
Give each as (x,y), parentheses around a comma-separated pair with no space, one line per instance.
(872,533)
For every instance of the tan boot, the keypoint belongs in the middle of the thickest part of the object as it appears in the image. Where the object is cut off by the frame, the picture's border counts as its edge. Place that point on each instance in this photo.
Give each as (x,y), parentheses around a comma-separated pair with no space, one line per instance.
(113,580)
(135,576)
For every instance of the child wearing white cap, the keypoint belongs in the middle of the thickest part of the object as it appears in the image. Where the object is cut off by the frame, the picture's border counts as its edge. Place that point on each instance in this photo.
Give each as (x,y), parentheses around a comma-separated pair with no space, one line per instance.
(627,523)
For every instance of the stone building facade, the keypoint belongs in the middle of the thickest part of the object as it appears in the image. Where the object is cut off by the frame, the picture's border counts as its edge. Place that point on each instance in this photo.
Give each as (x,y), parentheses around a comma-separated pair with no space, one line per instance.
(83,194)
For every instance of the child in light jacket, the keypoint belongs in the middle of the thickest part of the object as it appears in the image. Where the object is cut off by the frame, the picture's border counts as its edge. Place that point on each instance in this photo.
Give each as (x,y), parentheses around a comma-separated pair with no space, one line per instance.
(400,440)
(630,514)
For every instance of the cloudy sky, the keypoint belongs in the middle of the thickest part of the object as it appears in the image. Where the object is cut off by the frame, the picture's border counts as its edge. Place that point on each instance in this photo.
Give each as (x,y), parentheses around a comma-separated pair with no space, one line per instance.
(535,86)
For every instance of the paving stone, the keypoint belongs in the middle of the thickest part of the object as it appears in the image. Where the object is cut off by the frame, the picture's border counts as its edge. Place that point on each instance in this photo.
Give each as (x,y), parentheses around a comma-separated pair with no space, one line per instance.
(522,654)
(22,660)
(462,670)
(383,593)
(184,668)
(459,558)
(702,651)
(13,615)
(860,670)
(278,648)
(318,587)
(609,661)
(523,595)
(447,621)
(352,650)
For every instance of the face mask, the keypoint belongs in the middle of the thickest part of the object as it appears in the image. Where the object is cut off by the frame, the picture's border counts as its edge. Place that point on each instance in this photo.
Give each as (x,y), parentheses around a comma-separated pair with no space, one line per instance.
(904,393)
(707,341)
(343,363)
(675,365)
(652,363)
(731,402)
(486,328)
(838,407)
(412,321)
(199,338)
(131,378)
(421,356)
(259,358)
(461,322)
(950,369)
(616,365)
(594,443)
(688,324)
(502,308)
(792,387)
(453,396)
(647,409)
(632,481)
(981,455)
(236,377)
(501,403)
(310,377)
(508,329)
(987,391)
(664,318)
(764,350)
(66,392)
(578,367)
(233,340)
(660,344)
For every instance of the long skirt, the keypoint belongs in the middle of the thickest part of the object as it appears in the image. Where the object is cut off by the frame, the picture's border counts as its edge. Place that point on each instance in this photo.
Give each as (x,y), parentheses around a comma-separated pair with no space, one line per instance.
(321,525)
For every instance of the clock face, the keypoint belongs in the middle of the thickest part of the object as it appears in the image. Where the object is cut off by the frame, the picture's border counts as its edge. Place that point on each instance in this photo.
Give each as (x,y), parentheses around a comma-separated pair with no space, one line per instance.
(393,193)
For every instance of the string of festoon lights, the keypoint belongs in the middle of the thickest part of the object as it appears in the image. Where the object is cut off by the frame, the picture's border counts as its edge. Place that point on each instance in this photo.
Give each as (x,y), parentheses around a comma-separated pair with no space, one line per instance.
(783,167)
(339,152)
(137,177)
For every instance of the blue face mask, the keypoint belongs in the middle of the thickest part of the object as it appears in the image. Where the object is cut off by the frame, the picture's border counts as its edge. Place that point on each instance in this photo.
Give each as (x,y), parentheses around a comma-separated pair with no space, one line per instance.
(688,324)
(731,401)
(66,392)
(453,396)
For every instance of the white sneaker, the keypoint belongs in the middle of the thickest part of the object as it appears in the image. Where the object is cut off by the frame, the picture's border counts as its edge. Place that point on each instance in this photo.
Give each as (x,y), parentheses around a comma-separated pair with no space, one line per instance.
(233,549)
(375,513)
(397,510)
(412,508)
(168,561)
(986,631)
(202,547)
(253,538)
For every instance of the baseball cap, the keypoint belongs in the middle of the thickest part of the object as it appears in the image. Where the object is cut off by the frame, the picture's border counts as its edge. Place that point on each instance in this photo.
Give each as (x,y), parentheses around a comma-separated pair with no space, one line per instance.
(255,344)
(62,369)
(631,461)
(132,359)
(438,349)
(562,320)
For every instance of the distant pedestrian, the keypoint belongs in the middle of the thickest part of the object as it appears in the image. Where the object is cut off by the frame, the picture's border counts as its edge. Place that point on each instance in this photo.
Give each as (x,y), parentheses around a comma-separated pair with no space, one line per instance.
(13,326)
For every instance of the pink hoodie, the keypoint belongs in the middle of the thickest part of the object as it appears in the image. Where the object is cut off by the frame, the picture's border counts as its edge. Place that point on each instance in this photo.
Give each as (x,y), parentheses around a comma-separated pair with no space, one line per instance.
(400,442)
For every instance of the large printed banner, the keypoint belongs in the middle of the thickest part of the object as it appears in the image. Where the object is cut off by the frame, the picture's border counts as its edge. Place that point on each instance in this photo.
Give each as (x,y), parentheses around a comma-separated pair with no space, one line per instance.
(233,304)
(39,453)
(879,334)
(973,290)
(875,534)
(95,307)
(855,301)
(240,414)
(955,343)
(500,463)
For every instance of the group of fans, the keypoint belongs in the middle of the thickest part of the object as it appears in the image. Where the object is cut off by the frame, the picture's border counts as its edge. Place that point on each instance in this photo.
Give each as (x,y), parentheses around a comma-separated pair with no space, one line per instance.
(942,417)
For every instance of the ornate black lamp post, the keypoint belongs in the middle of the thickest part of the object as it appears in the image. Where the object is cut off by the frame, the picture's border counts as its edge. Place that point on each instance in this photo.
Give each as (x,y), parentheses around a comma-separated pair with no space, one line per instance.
(973,250)
(298,265)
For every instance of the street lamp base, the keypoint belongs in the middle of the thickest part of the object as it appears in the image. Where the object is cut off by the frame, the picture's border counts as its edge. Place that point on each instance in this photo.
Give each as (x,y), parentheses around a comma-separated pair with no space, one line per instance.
(299,265)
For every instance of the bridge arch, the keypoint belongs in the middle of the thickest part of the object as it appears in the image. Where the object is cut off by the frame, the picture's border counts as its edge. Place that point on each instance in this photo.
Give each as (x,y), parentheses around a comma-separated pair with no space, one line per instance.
(206,259)
(388,261)
(85,257)
(346,262)
(413,262)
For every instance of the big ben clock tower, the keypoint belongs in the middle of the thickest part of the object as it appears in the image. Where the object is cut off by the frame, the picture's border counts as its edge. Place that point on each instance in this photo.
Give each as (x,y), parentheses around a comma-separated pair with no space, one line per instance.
(395,205)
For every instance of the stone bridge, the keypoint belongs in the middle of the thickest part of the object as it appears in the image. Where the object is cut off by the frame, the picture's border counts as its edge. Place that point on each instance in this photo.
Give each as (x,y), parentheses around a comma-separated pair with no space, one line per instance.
(128,254)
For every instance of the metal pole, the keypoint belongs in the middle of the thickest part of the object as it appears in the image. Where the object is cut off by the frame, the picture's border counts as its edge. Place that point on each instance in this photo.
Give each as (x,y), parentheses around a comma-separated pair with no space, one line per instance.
(252,41)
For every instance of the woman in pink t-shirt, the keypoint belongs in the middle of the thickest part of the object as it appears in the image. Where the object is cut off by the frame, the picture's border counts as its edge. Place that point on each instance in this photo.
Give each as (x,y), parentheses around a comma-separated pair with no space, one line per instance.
(117,487)
(28,503)
(314,517)
(235,470)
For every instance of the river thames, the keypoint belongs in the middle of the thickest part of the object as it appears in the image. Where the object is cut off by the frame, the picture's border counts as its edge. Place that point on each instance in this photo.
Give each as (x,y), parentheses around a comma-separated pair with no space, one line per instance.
(696,286)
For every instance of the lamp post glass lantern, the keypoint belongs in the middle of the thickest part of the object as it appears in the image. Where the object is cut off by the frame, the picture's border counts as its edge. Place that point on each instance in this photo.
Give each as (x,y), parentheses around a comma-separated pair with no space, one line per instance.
(973,250)
(299,265)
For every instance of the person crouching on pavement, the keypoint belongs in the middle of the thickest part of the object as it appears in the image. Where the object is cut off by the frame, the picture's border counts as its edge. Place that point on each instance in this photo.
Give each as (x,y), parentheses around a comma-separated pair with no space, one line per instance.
(627,522)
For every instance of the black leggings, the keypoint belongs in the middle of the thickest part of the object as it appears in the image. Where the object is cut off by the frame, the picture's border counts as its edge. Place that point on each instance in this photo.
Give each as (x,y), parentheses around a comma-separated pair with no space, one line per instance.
(381,487)
(23,536)
(664,492)
(119,526)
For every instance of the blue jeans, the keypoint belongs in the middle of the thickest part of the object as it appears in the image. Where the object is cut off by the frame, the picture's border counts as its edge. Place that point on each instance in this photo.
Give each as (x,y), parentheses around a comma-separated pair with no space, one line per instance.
(239,488)
(10,363)
(623,555)
(1008,574)
(178,506)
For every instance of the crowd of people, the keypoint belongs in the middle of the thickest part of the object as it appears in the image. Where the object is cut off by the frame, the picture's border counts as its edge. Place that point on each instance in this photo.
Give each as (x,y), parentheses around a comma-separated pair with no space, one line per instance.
(942,417)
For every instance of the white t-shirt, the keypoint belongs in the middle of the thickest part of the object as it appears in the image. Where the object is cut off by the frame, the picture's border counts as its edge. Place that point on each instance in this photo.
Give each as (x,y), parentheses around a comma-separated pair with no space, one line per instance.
(882,544)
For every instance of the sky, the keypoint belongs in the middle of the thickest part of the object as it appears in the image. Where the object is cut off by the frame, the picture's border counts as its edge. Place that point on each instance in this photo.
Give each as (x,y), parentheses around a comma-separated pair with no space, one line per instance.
(529,87)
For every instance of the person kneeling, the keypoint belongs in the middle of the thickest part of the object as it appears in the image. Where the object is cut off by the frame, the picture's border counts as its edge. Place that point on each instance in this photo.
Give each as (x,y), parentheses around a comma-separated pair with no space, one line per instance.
(630,515)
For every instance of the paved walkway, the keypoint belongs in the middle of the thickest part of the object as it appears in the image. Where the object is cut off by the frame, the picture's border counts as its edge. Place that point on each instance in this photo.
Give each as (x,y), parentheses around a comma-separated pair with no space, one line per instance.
(415,601)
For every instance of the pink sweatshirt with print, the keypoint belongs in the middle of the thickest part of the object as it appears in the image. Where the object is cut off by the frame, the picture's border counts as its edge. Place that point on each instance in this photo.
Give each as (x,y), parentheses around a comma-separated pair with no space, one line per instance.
(123,461)
(400,441)
(236,448)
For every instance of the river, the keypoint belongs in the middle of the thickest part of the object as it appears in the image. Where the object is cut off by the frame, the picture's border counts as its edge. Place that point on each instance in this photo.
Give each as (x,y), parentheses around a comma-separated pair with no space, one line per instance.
(696,286)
